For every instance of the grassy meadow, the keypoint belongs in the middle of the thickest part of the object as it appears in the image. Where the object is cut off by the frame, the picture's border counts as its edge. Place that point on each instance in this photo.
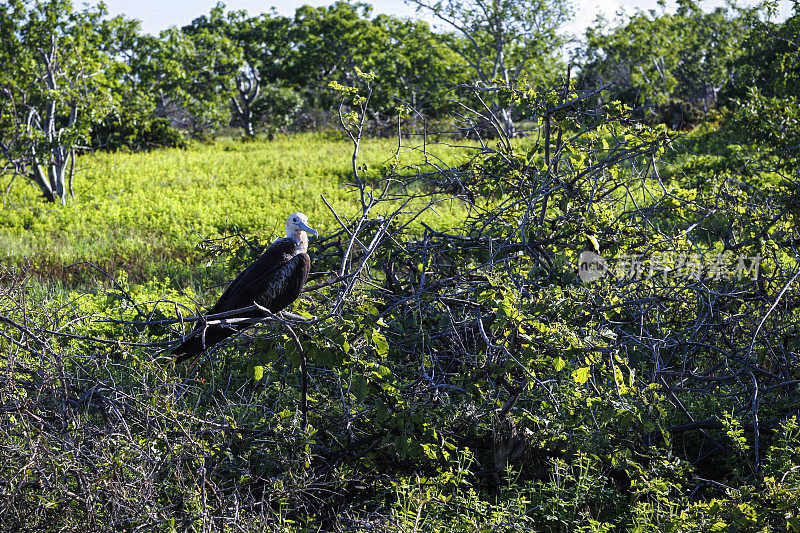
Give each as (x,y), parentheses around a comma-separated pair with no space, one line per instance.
(145,213)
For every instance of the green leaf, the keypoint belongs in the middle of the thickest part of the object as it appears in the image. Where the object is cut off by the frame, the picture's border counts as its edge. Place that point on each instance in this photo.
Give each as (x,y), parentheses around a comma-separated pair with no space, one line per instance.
(258,372)
(507,307)
(429,451)
(292,354)
(581,375)
(381,346)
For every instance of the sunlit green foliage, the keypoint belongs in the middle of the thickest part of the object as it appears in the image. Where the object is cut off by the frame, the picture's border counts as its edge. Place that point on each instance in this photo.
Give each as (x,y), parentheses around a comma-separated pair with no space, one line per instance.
(505,393)
(763,100)
(146,212)
(674,62)
(60,85)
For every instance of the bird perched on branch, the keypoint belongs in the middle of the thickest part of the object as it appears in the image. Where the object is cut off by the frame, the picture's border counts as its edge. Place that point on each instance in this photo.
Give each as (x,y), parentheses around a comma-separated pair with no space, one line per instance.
(272,281)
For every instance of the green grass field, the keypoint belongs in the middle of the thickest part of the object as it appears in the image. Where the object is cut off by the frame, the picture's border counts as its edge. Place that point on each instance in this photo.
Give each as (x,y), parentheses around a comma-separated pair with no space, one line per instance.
(145,213)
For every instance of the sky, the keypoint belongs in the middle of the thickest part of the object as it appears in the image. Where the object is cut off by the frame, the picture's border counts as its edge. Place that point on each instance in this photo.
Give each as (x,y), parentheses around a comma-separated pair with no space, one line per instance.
(156,16)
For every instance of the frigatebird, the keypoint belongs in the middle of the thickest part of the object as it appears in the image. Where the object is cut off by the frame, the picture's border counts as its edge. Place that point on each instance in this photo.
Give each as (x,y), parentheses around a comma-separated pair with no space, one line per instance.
(272,281)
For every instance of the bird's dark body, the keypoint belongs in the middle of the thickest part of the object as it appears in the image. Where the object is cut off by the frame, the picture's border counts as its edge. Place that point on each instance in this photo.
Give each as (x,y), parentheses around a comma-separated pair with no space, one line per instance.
(273,281)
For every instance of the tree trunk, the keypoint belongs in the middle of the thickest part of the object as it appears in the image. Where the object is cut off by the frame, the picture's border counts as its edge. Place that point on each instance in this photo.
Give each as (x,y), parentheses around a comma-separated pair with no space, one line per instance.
(245,117)
(51,182)
(42,180)
(249,89)
(503,114)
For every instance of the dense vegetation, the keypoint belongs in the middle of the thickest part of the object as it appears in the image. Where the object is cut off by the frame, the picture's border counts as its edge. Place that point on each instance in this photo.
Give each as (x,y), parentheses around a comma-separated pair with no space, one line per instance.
(543,298)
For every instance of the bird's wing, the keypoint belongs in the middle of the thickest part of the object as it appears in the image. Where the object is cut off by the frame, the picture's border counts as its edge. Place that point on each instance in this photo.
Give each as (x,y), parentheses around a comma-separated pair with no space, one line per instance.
(251,283)
(286,284)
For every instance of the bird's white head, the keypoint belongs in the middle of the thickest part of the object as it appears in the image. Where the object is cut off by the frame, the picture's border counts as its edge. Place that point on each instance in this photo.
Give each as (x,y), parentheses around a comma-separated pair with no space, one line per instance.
(297,228)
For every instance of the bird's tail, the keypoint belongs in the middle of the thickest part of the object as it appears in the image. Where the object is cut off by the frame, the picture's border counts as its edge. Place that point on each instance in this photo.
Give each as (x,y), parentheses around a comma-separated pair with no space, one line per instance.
(188,349)
(198,343)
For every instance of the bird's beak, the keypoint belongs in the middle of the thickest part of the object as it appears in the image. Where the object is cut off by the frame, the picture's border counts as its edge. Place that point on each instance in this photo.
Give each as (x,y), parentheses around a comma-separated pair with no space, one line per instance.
(305,228)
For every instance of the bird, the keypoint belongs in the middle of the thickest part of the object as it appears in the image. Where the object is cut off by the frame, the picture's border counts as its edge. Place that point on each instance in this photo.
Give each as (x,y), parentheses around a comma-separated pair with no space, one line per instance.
(272,281)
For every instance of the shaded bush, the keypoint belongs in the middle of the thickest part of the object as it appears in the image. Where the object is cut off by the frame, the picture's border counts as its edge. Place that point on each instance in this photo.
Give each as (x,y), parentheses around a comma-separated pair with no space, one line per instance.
(136,134)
